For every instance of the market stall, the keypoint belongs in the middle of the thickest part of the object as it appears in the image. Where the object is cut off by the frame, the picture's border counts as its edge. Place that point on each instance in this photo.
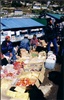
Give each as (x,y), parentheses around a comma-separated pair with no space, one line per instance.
(25,71)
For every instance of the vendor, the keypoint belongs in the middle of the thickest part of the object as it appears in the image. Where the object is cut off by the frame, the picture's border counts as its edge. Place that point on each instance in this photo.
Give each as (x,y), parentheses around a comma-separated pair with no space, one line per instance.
(25,44)
(34,41)
(7,48)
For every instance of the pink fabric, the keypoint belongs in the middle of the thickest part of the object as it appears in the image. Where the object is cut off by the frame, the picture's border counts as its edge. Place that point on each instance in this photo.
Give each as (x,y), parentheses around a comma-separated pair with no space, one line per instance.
(34,41)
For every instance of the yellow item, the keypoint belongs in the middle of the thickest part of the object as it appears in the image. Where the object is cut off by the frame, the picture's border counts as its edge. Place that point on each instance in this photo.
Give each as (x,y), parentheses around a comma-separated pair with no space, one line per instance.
(23,96)
(20,89)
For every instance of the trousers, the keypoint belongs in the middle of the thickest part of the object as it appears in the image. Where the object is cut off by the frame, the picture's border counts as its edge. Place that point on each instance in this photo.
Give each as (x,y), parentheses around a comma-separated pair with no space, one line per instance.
(54,41)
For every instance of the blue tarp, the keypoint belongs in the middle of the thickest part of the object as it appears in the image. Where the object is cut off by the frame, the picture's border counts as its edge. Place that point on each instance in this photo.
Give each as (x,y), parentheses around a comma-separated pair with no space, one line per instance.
(15,23)
(56,16)
(3,27)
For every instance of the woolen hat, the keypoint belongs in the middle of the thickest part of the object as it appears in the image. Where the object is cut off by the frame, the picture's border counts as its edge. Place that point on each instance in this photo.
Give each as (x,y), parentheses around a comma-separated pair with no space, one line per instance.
(7,37)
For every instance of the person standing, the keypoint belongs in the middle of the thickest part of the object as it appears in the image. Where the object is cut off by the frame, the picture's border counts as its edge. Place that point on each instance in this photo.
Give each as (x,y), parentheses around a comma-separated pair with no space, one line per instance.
(51,35)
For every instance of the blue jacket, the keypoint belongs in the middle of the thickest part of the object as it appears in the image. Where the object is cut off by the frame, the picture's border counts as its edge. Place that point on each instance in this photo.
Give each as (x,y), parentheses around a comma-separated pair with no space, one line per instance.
(25,44)
(6,46)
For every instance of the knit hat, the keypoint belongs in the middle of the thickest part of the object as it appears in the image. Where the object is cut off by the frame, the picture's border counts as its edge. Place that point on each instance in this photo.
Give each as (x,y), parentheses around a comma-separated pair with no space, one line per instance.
(7,37)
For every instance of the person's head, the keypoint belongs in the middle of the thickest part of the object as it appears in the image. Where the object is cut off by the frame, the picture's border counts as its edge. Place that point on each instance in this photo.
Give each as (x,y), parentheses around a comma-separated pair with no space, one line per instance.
(50,22)
(26,36)
(34,36)
(7,38)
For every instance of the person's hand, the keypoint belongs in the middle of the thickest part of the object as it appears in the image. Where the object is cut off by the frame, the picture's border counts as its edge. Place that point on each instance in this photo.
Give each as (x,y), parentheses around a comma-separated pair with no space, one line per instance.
(1,56)
(58,37)
(10,54)
(8,51)
(7,43)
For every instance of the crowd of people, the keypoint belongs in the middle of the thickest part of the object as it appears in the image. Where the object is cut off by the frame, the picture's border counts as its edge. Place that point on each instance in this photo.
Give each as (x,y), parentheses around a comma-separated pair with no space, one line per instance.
(9,52)
(53,32)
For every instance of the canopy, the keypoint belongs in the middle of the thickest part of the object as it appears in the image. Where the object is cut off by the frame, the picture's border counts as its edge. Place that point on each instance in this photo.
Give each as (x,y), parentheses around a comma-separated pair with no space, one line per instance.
(19,23)
(41,20)
(56,16)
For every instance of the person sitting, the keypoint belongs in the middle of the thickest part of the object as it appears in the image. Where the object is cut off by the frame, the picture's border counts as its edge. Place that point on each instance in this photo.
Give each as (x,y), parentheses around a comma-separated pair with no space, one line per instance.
(25,44)
(34,41)
(7,48)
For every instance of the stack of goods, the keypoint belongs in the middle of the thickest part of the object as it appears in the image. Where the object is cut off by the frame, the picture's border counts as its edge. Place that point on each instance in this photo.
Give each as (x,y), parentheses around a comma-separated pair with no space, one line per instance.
(11,71)
(42,55)
(18,88)
(34,61)
(17,93)
(27,70)
(35,64)
(8,72)
(34,54)
(44,44)
(5,84)
(24,55)
(50,61)
(23,52)
(31,78)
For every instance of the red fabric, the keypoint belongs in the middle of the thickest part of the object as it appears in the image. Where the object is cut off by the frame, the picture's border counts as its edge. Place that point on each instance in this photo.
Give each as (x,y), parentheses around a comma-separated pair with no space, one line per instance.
(7,37)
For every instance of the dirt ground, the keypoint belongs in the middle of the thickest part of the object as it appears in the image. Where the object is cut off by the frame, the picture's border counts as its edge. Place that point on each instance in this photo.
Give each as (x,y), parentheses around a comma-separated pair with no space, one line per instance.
(52,94)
